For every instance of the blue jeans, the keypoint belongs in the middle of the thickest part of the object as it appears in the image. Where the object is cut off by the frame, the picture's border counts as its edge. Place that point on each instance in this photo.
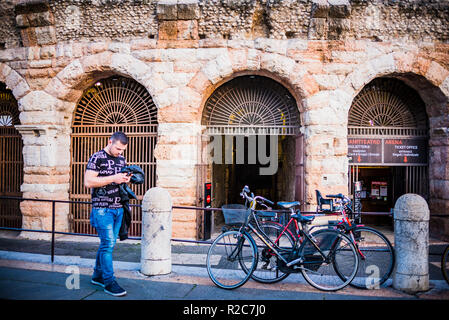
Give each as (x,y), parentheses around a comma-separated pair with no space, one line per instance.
(107,222)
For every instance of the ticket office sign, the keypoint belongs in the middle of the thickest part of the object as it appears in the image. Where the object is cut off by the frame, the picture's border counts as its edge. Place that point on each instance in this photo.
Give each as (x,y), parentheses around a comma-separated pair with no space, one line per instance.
(406,151)
(387,151)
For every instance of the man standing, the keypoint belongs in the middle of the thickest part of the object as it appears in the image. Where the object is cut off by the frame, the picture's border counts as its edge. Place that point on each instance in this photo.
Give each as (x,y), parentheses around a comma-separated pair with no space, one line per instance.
(104,177)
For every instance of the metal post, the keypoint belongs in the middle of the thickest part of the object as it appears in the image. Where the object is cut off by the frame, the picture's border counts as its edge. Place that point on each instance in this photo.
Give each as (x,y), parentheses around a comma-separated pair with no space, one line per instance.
(53,203)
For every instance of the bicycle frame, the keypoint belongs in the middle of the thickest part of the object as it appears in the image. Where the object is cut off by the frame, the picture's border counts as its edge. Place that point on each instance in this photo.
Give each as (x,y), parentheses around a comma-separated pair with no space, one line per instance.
(347,225)
(267,241)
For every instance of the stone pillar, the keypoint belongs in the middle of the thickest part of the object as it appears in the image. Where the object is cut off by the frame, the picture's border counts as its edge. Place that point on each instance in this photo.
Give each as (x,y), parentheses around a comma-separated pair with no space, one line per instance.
(176,156)
(156,232)
(411,240)
(439,182)
(326,161)
(46,176)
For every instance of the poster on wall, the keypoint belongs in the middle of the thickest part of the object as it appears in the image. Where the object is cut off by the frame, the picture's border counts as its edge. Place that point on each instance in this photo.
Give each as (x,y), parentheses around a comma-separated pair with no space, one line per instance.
(379,189)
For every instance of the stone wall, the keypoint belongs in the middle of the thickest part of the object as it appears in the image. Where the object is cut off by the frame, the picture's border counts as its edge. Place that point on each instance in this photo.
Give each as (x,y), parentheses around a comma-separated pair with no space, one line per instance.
(188,48)
(75,20)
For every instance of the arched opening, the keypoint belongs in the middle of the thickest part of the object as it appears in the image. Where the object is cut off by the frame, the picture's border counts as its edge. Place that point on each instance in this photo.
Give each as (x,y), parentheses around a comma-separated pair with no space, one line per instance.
(109,105)
(11,159)
(387,145)
(253,129)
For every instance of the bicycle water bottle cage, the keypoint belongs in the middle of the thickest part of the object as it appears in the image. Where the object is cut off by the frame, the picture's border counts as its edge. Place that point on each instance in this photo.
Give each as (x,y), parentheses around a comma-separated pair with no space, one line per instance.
(288,205)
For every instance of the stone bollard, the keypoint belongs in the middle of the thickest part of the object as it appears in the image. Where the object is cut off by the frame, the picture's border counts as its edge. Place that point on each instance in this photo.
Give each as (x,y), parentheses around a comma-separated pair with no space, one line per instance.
(411,241)
(156,232)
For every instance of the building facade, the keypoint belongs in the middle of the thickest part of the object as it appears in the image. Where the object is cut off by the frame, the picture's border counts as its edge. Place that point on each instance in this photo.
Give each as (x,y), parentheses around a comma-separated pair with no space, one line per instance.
(351,91)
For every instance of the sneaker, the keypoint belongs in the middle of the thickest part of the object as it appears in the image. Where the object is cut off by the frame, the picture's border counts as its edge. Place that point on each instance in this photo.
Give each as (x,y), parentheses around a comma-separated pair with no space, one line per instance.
(114,289)
(97,281)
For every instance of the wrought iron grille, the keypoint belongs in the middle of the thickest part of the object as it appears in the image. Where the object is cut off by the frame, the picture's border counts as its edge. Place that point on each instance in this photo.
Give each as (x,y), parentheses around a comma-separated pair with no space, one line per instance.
(387,102)
(11,160)
(110,105)
(251,105)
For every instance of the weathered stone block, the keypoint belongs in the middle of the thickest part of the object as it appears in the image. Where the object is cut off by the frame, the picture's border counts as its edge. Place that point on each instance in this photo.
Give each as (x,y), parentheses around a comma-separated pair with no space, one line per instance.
(168,30)
(318,28)
(167,10)
(187,30)
(188,10)
(45,35)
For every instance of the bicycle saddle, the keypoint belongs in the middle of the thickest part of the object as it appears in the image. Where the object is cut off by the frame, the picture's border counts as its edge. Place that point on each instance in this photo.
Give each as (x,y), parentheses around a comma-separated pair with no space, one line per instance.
(300,218)
(288,205)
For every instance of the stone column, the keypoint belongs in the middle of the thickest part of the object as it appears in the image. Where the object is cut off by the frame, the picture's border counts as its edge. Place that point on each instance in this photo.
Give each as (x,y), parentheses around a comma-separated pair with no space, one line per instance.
(46,176)
(439,182)
(326,161)
(176,156)
(156,232)
(411,240)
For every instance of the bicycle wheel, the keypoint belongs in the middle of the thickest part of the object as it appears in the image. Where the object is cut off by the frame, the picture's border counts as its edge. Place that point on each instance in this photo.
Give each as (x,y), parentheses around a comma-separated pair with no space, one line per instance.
(445,264)
(267,270)
(339,254)
(376,258)
(226,256)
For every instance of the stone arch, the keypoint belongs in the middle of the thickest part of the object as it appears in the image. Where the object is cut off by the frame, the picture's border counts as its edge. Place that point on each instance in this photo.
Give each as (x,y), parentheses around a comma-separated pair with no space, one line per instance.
(234,63)
(14,81)
(68,85)
(419,72)
(430,79)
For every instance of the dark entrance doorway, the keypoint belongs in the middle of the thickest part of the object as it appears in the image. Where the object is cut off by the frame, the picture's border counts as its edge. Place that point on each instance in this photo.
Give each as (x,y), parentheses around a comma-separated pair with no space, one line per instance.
(260,120)
(11,160)
(387,146)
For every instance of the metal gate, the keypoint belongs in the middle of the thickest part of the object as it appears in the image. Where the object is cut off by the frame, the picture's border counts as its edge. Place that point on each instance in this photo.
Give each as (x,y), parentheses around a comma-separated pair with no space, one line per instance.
(388,109)
(113,104)
(11,160)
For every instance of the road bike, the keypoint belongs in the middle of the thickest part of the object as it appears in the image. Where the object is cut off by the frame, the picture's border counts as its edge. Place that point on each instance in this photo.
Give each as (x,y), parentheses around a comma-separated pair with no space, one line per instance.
(445,264)
(328,261)
(377,257)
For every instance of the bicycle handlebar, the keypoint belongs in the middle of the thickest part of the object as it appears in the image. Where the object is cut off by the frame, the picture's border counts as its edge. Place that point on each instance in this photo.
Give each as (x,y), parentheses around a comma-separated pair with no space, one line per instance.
(245,192)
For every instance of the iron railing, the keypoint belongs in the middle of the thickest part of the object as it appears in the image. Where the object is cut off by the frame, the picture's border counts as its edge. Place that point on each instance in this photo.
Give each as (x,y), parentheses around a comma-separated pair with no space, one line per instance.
(53,220)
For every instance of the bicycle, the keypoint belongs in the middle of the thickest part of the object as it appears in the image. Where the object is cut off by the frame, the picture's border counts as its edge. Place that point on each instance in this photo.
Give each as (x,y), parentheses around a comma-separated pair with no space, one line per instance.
(233,256)
(377,257)
(445,264)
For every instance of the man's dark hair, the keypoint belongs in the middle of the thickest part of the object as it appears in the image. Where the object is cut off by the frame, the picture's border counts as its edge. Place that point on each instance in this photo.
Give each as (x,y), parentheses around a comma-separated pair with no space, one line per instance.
(119,136)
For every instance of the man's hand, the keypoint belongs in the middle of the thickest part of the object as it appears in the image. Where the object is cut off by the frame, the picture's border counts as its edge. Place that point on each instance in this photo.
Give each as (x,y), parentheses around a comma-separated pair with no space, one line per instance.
(92,180)
(121,177)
